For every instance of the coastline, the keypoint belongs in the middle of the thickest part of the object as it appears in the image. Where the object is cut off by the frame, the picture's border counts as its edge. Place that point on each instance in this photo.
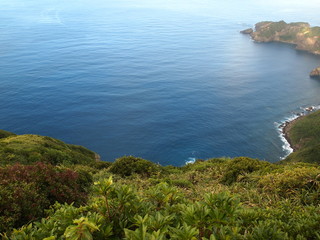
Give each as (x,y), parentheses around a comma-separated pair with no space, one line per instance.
(300,34)
(286,126)
(285,130)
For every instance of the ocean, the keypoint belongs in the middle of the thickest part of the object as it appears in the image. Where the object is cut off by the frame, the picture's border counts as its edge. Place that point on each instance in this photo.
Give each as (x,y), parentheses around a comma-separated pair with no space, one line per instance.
(168,81)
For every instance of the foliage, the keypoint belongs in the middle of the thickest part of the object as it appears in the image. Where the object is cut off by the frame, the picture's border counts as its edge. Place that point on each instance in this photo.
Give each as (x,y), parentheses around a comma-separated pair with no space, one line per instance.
(314,32)
(305,137)
(241,166)
(292,181)
(100,164)
(29,148)
(129,165)
(271,28)
(4,134)
(25,191)
(117,211)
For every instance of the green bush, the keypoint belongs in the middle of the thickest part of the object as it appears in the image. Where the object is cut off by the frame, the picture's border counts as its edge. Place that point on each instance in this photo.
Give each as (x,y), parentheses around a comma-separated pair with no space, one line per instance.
(292,181)
(242,166)
(100,165)
(129,165)
(162,212)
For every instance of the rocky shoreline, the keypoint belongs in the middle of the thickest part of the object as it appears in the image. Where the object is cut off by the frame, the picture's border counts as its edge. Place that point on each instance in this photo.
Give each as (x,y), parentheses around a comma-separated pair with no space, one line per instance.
(301,34)
(286,132)
(286,126)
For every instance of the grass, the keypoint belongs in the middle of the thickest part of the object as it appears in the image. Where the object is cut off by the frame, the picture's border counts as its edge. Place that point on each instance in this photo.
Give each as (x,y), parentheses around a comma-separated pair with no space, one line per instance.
(305,135)
(29,148)
(4,134)
(314,32)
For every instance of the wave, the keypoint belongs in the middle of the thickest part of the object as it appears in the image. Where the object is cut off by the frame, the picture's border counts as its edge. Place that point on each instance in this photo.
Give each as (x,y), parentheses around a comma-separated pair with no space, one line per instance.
(190,160)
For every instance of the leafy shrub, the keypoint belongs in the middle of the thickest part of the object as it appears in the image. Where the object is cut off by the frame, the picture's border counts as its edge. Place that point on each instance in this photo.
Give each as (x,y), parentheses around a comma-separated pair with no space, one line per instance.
(241,166)
(162,212)
(129,165)
(181,183)
(100,164)
(291,181)
(267,230)
(20,203)
(27,190)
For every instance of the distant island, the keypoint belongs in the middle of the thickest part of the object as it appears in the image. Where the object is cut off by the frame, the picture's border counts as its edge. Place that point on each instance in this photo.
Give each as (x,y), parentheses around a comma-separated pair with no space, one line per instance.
(301,34)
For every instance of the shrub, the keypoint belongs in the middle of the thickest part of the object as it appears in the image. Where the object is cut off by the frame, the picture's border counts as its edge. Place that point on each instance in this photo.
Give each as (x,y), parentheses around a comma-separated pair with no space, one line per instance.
(27,190)
(291,181)
(100,164)
(241,166)
(129,165)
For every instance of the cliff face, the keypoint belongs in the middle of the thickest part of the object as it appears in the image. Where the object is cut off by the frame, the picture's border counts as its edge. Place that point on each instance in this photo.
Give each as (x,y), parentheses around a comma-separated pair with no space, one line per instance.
(299,33)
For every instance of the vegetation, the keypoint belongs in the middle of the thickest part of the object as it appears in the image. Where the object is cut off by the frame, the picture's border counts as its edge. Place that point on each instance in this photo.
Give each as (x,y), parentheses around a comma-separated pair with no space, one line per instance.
(29,148)
(272,29)
(314,32)
(264,202)
(4,134)
(26,190)
(305,137)
(129,165)
(298,33)
(135,199)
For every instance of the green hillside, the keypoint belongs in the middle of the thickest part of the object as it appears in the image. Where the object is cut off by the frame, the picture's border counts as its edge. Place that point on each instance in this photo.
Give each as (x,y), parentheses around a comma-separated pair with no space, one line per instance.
(305,137)
(297,33)
(29,148)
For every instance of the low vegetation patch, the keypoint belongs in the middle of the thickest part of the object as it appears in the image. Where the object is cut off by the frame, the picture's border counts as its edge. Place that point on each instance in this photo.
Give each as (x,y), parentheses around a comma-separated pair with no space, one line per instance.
(29,148)
(305,136)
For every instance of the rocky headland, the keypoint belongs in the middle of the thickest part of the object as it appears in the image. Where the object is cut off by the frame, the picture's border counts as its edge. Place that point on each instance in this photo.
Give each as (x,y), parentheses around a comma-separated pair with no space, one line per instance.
(301,34)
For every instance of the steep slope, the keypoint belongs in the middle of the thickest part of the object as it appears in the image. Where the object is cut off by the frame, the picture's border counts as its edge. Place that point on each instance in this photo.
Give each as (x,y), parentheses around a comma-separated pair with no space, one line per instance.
(304,136)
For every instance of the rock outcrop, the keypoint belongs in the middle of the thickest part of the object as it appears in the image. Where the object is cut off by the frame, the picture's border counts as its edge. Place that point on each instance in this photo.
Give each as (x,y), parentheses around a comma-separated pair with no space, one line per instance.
(315,73)
(247,31)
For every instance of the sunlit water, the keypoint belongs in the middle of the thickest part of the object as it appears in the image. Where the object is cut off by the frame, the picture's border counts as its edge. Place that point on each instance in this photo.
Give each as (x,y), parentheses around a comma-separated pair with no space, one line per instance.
(168,81)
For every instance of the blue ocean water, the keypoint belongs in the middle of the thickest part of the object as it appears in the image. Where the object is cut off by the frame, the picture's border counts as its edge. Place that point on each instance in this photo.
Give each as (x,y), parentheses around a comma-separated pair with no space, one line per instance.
(168,81)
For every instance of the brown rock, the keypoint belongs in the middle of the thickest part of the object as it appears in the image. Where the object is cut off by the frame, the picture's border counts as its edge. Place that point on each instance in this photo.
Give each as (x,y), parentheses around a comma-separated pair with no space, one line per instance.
(315,73)
(247,31)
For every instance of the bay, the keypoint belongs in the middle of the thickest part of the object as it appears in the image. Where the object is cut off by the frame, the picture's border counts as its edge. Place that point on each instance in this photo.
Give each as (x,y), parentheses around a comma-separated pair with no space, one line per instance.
(169,81)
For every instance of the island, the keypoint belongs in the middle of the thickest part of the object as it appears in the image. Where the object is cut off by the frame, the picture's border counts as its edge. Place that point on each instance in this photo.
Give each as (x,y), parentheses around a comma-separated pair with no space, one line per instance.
(301,34)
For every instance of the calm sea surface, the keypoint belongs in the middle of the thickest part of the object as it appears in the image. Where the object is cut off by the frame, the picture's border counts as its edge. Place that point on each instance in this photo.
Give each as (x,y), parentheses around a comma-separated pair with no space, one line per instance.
(168,81)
